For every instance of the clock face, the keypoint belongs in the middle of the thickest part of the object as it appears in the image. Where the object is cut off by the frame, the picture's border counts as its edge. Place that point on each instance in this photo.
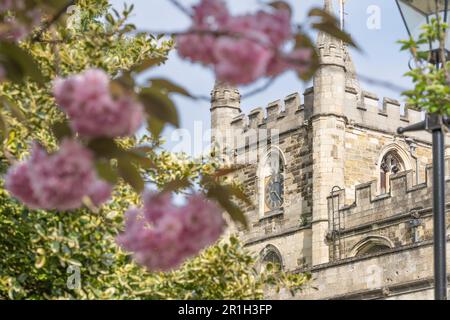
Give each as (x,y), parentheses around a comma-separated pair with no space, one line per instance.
(274,192)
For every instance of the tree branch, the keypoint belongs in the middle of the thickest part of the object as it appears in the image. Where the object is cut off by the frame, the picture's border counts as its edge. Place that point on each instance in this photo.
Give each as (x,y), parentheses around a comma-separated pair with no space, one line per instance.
(182,8)
(50,22)
(264,87)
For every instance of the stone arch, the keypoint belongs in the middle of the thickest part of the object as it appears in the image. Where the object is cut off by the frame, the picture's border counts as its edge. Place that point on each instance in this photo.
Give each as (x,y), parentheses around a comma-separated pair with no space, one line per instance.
(264,171)
(371,244)
(270,254)
(392,159)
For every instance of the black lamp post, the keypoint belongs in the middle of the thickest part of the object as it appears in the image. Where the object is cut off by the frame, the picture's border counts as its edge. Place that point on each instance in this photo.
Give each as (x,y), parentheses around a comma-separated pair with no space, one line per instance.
(416,13)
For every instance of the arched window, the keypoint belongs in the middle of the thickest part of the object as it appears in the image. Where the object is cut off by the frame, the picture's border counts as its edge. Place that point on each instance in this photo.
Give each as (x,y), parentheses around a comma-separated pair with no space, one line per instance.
(391,164)
(371,245)
(271,255)
(371,248)
(271,177)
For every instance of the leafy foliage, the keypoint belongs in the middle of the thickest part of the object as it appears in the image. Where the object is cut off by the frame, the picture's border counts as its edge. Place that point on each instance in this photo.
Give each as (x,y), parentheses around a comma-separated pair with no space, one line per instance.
(40,249)
(224,271)
(430,73)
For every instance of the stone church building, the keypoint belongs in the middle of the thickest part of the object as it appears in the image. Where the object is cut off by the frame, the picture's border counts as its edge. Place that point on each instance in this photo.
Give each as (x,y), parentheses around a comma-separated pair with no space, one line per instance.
(335,190)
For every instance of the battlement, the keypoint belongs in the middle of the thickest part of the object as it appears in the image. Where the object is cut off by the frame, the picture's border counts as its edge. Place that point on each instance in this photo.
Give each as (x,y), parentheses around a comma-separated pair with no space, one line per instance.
(403,196)
(362,109)
(224,95)
(283,114)
(365,109)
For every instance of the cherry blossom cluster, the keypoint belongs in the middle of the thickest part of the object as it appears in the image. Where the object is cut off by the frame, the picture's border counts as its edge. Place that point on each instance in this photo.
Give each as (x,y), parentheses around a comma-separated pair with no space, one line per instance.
(242,48)
(58,181)
(92,110)
(162,235)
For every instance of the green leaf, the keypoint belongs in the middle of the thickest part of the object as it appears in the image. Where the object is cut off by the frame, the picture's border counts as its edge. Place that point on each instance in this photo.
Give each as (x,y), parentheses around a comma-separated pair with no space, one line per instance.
(281,5)
(3,127)
(110,19)
(148,63)
(61,130)
(74,262)
(175,185)
(167,86)
(106,171)
(223,196)
(13,108)
(226,171)
(130,174)
(330,25)
(122,85)
(303,41)
(155,126)
(160,106)
(19,64)
(233,210)
(105,147)
(238,193)
(140,158)
(40,262)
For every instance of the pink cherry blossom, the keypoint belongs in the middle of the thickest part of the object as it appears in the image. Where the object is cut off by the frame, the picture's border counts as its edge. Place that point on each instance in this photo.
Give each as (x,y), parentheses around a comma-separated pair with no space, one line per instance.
(197,47)
(100,192)
(58,181)
(242,48)
(241,61)
(276,26)
(92,110)
(156,205)
(18,183)
(298,60)
(7,5)
(210,13)
(162,236)
(15,29)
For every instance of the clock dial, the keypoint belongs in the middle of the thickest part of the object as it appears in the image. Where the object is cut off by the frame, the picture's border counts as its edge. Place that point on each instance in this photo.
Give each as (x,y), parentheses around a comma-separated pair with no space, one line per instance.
(274,192)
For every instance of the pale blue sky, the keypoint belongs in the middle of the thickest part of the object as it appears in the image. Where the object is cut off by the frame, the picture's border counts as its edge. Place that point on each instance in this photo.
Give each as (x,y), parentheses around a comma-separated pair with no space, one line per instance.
(381,58)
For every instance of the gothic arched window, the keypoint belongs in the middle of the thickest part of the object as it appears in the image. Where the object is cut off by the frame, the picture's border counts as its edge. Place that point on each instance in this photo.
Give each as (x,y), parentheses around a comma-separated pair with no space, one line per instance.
(371,245)
(391,164)
(371,249)
(272,183)
(271,255)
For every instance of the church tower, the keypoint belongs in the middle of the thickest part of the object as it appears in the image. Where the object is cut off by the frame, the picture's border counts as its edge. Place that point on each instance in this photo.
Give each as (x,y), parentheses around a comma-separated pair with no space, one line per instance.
(328,125)
(337,135)
(225,106)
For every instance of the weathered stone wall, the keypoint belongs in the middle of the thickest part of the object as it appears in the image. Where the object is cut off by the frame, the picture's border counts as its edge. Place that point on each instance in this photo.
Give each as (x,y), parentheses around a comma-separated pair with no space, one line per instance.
(366,110)
(401,273)
(369,131)
(363,148)
(253,141)
(364,151)
(402,198)
(293,256)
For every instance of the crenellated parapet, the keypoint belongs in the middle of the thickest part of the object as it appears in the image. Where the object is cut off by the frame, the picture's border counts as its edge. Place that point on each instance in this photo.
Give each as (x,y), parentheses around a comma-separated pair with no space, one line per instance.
(370,206)
(362,109)
(283,115)
(368,111)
